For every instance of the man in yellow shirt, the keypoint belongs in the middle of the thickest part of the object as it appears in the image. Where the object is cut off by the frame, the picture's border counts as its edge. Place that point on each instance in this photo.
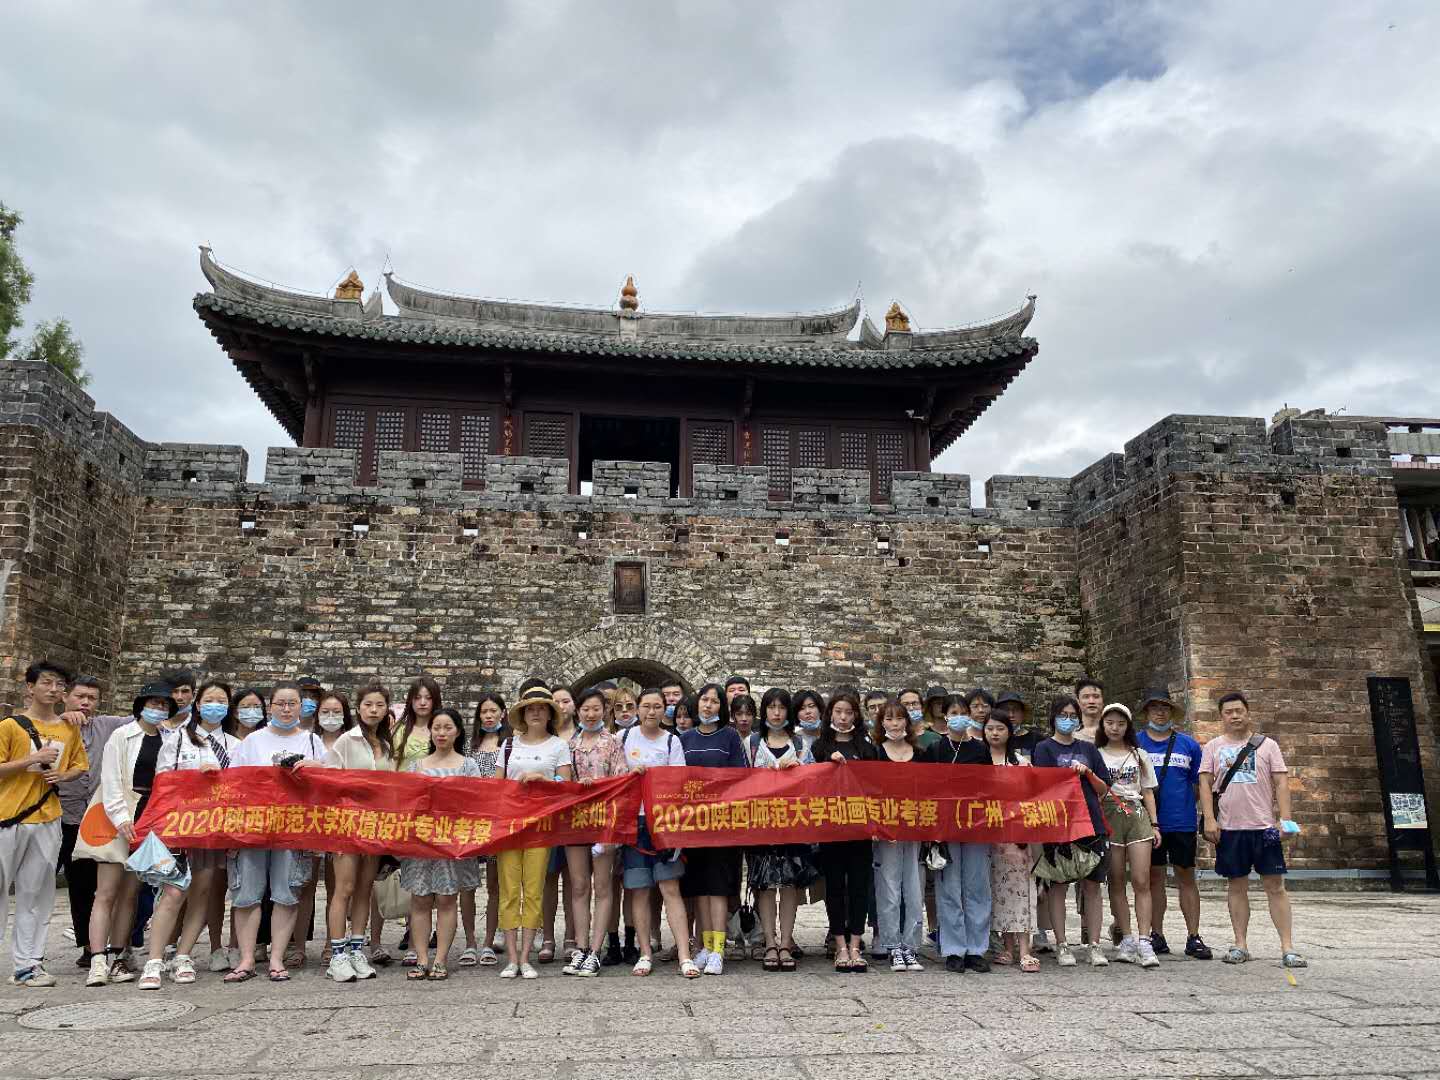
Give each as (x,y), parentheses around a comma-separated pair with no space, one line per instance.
(37,751)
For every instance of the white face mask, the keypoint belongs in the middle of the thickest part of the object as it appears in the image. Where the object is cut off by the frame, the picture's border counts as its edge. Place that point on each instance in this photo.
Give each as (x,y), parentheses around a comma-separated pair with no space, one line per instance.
(331,721)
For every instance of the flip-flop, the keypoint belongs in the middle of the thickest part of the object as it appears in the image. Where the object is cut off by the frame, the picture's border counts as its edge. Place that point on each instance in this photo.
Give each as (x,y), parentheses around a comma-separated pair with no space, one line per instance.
(279,975)
(239,975)
(417,973)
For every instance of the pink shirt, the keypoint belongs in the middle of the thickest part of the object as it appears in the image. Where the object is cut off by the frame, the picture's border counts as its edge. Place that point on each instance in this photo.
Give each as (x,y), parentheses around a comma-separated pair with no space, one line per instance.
(604,758)
(1249,800)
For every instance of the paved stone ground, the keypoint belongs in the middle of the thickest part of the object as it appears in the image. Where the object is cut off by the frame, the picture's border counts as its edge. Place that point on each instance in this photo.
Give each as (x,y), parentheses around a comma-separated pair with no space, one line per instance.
(1368,1006)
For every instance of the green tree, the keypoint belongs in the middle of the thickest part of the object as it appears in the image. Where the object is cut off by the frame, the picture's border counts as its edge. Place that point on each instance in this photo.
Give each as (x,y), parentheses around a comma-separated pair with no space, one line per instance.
(15,281)
(54,340)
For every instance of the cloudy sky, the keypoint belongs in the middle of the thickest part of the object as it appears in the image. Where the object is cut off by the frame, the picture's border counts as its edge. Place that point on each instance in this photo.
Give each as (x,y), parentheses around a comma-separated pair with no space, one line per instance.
(1223,207)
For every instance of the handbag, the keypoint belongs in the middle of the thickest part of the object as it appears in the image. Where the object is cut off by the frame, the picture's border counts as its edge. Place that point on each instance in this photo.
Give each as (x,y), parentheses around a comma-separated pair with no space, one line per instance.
(157,866)
(97,839)
(391,898)
(932,854)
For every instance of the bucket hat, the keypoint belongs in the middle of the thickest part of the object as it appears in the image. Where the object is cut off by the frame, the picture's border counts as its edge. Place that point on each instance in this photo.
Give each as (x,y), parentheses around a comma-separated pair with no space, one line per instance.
(154,690)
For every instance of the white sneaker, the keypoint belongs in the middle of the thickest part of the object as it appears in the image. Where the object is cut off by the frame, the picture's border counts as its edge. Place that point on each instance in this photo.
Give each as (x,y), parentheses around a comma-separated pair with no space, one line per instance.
(99,970)
(35,978)
(68,933)
(912,962)
(360,964)
(340,969)
(220,960)
(1064,957)
(1148,959)
(528,972)
(1097,957)
(182,970)
(716,964)
(153,975)
(509,971)
(1129,950)
(702,958)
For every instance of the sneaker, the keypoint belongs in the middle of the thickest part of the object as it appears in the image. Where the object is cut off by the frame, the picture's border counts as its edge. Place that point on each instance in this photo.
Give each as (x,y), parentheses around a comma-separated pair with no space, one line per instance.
(715,965)
(488,957)
(220,960)
(68,933)
(360,964)
(577,957)
(912,963)
(1064,957)
(1097,957)
(410,959)
(897,960)
(1129,950)
(153,975)
(120,971)
(1148,959)
(528,972)
(34,978)
(1195,948)
(182,970)
(509,971)
(978,964)
(955,964)
(589,966)
(498,941)
(341,970)
(702,958)
(934,938)
(83,960)
(1161,946)
(99,970)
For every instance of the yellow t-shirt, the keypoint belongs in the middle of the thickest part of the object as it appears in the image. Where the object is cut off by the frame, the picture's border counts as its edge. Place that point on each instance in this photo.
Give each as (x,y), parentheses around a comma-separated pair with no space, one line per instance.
(22,789)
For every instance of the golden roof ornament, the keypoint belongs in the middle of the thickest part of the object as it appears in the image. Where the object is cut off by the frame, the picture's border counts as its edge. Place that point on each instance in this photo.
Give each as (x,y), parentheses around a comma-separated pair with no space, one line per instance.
(352,288)
(629,295)
(896,321)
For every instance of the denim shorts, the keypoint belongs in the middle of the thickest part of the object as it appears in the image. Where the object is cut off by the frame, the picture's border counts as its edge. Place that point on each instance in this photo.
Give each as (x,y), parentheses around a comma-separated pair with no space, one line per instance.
(253,870)
(645,867)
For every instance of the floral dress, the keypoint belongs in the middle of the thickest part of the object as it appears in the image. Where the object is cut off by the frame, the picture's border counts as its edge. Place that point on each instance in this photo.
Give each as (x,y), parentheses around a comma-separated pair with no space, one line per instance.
(441,877)
(603,759)
(1012,886)
(488,762)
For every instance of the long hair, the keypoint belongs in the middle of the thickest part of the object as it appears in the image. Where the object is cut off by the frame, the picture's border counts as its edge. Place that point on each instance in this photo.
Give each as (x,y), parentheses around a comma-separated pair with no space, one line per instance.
(192,726)
(407,718)
(454,717)
(892,707)
(770,697)
(825,742)
(1102,739)
(344,701)
(384,733)
(503,732)
(1002,716)
(1059,704)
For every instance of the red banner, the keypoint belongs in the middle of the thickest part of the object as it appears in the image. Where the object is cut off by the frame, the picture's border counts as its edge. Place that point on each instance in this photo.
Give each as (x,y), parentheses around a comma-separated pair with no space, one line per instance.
(688,808)
(454,817)
(381,813)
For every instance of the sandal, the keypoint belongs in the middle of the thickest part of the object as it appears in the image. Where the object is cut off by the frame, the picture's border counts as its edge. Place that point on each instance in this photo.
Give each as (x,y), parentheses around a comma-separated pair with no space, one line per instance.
(1236,955)
(295,957)
(1293,960)
(438,974)
(1004,959)
(859,966)
(689,970)
(410,959)
(468,958)
(771,959)
(381,957)
(239,975)
(787,961)
(758,951)
(417,973)
(795,950)
(842,964)
(547,953)
(487,957)
(642,966)
(1029,963)
(279,975)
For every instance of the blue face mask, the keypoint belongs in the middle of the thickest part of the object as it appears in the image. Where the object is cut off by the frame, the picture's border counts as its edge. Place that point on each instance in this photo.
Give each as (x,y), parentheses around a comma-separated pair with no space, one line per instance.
(250,716)
(957,724)
(811,725)
(777,725)
(621,720)
(154,716)
(308,706)
(669,712)
(1066,725)
(280,723)
(1161,725)
(973,724)
(915,715)
(593,725)
(183,711)
(212,712)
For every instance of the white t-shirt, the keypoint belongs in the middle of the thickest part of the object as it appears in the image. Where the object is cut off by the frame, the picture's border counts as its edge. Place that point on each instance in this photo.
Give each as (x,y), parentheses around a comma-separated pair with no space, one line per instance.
(1130,772)
(640,750)
(261,747)
(543,757)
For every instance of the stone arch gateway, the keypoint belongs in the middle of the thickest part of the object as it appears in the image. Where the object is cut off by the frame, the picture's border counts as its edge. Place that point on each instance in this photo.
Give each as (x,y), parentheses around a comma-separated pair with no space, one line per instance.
(621,646)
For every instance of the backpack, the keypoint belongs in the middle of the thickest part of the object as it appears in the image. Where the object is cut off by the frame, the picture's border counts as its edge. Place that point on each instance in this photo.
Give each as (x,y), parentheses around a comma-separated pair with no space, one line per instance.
(29,728)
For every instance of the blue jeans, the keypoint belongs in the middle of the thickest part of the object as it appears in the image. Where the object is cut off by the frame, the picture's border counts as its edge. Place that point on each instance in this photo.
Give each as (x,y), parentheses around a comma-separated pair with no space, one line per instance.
(899,896)
(962,893)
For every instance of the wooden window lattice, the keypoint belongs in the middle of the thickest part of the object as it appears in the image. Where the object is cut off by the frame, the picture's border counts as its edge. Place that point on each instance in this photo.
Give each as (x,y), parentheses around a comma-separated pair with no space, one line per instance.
(775,453)
(547,435)
(889,459)
(474,445)
(435,432)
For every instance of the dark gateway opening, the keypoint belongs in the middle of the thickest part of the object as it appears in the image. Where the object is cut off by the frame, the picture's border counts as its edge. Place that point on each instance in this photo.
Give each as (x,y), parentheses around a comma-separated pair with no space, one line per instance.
(629,438)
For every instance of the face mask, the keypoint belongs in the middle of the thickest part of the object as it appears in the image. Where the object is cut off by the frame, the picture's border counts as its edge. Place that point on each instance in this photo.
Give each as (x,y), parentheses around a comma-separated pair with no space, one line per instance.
(915,715)
(489,725)
(307,708)
(250,716)
(669,712)
(708,720)
(1161,725)
(1066,725)
(332,721)
(895,736)
(154,716)
(626,721)
(840,729)
(212,712)
(973,724)
(957,724)
(777,725)
(810,725)
(281,724)
(593,725)
(182,712)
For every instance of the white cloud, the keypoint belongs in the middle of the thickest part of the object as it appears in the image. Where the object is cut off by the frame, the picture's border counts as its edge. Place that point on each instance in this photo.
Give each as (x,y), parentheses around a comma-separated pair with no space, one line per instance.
(1221,209)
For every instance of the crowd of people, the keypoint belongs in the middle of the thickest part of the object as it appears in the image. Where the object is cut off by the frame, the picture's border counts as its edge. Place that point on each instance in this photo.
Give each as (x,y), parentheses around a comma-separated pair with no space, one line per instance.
(1152,792)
